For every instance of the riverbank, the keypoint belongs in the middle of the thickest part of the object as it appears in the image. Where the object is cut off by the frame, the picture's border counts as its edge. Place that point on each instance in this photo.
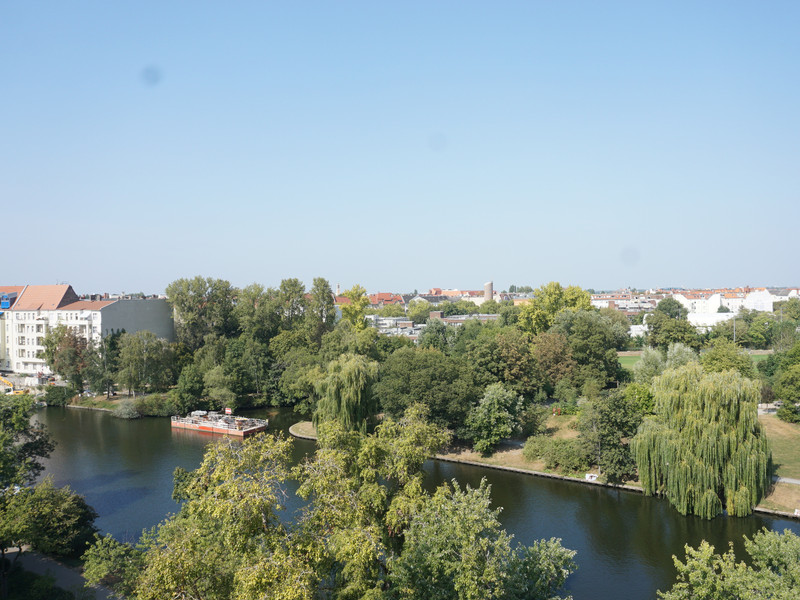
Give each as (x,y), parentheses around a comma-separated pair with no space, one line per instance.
(783,500)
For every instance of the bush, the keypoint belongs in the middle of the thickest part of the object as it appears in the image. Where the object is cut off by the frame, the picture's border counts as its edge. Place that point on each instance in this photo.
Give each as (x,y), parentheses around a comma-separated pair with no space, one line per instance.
(567,455)
(156,405)
(533,419)
(569,407)
(789,413)
(126,410)
(58,395)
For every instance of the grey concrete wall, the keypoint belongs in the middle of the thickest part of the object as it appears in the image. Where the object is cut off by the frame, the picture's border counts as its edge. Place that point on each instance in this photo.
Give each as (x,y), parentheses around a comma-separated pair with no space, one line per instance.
(153,314)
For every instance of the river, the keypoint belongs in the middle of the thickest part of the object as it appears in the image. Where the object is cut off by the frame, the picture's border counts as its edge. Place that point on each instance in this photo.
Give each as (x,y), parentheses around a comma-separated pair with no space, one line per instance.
(624,541)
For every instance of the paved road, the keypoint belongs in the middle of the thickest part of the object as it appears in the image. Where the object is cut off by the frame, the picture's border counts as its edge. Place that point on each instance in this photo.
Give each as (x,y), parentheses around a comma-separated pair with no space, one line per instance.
(65,577)
(786,480)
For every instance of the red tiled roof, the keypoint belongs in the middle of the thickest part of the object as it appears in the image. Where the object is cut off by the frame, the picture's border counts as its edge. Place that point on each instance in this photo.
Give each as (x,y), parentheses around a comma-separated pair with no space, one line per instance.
(45,297)
(10,289)
(87,305)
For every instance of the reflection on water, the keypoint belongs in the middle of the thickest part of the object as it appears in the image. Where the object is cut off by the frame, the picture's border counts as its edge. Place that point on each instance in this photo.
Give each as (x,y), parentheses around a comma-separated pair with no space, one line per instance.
(625,541)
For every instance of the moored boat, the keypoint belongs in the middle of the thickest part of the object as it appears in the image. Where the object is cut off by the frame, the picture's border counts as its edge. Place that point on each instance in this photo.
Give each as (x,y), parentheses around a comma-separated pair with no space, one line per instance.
(214,422)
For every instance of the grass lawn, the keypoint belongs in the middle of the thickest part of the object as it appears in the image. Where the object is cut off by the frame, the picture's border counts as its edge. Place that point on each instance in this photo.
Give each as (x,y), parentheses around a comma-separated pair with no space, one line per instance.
(757,358)
(628,361)
(784,439)
(784,497)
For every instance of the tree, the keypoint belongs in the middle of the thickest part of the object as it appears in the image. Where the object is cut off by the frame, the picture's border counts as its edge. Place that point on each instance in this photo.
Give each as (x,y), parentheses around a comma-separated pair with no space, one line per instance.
(537,315)
(493,419)
(145,362)
(437,335)
(102,364)
(649,366)
(605,425)
(354,310)
(45,518)
(22,443)
(704,449)
(345,393)
(445,384)
(113,564)
(321,312)
(594,342)
(725,355)
(787,386)
(65,352)
(663,330)
(202,306)
(554,360)
(447,556)
(773,572)
(503,355)
(679,354)
(419,311)
(672,309)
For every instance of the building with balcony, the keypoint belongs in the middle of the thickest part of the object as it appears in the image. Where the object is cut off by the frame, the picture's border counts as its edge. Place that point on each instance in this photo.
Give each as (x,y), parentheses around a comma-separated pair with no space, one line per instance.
(35,309)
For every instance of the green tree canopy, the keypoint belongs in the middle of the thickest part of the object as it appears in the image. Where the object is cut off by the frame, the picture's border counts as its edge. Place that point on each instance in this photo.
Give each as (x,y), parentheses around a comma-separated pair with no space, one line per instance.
(22,443)
(448,557)
(445,384)
(67,354)
(355,310)
(537,315)
(704,448)
(202,306)
(145,362)
(773,572)
(672,309)
(725,355)
(345,393)
(493,419)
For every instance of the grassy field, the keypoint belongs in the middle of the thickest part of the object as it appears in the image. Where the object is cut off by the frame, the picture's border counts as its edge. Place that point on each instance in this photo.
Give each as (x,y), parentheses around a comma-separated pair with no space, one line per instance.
(628,361)
(784,439)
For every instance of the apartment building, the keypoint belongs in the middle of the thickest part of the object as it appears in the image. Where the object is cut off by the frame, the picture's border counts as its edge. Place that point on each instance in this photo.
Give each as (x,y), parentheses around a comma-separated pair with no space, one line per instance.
(29,312)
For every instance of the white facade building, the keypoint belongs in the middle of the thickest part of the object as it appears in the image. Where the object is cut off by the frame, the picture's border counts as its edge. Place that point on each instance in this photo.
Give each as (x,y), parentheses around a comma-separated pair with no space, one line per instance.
(39,308)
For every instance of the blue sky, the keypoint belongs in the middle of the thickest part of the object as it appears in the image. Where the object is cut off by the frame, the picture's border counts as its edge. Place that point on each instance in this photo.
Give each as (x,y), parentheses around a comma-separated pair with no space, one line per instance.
(400,145)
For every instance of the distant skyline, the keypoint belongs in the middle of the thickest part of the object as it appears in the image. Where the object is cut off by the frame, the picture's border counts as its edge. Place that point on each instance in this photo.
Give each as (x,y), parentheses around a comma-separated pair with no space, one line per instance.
(400,145)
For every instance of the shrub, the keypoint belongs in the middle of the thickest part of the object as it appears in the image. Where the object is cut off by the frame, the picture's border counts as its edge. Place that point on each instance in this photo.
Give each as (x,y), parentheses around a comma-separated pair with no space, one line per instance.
(567,455)
(58,395)
(156,405)
(789,413)
(126,410)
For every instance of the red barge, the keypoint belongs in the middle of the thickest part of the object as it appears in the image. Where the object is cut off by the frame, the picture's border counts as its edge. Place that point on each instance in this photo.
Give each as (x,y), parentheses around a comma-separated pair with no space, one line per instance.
(214,422)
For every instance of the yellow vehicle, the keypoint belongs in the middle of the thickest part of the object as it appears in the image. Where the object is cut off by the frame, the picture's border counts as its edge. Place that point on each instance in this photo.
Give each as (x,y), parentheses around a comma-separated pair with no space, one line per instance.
(9,387)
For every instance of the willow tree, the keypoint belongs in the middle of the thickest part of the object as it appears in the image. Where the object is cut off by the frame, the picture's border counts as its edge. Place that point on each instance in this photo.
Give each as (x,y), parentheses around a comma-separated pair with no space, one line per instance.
(345,392)
(704,449)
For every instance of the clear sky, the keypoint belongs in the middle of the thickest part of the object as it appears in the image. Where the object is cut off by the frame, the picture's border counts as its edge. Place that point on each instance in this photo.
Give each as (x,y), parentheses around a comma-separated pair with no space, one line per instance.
(400,145)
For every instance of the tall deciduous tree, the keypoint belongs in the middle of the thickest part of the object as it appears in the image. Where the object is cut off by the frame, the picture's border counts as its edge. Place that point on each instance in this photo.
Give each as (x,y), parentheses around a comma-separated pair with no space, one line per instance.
(773,572)
(493,419)
(321,312)
(355,310)
(537,315)
(202,306)
(445,384)
(345,393)
(22,444)
(704,449)
(448,556)
(66,353)
(725,355)
(145,362)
